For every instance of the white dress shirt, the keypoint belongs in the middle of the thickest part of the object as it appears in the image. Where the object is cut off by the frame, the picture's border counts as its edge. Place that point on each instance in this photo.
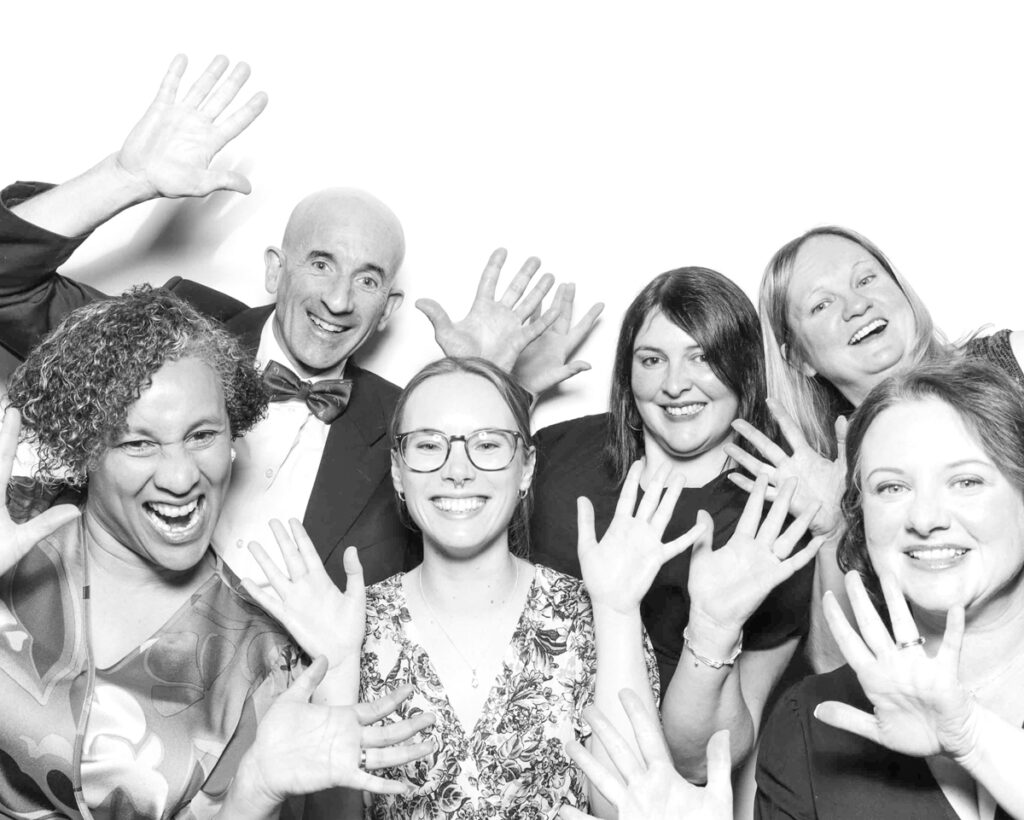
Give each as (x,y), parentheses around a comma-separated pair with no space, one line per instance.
(273,474)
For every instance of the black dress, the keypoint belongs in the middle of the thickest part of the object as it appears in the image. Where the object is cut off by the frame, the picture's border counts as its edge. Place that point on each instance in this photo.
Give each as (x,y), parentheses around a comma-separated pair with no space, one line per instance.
(807,769)
(571,463)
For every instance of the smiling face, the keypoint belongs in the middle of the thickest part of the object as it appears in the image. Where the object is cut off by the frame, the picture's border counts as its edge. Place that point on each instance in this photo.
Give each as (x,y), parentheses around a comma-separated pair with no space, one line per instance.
(461,510)
(333,277)
(157,491)
(851,324)
(938,513)
(685,409)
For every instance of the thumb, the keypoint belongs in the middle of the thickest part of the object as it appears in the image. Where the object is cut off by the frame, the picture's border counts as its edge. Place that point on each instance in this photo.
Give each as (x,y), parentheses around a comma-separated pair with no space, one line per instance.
(353,571)
(584,523)
(435,313)
(305,684)
(223,181)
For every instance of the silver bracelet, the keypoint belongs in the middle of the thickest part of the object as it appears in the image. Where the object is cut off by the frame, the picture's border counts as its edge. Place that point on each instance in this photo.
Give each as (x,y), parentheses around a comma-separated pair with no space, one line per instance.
(714,663)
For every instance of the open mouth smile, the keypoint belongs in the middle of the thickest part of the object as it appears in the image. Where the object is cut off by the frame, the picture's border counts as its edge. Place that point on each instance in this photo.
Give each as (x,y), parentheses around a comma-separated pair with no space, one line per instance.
(459,506)
(872,328)
(324,325)
(937,557)
(683,410)
(176,522)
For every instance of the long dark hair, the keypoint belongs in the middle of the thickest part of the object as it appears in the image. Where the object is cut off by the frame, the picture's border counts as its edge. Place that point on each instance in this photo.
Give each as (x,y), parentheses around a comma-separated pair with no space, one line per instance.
(721,319)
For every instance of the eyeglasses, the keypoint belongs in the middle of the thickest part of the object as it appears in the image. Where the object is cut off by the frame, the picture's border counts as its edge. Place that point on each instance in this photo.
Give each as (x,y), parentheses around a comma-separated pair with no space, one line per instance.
(425,451)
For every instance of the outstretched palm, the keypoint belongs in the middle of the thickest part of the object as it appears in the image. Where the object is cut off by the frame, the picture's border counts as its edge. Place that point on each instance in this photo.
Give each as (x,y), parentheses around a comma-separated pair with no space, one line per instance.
(169,151)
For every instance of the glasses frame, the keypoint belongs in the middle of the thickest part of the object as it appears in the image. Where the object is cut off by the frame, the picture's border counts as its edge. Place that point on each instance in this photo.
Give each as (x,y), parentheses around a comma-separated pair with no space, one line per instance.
(517,437)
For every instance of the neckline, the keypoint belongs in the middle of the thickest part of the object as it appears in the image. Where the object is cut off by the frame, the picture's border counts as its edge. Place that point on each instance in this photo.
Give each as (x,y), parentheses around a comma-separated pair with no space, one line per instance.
(410,639)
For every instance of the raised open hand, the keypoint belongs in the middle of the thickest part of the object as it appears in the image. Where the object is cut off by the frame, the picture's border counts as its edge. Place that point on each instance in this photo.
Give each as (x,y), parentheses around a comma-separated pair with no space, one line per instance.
(821,479)
(727,585)
(169,151)
(620,568)
(324,620)
(18,539)
(921,708)
(649,787)
(496,330)
(302,748)
(545,361)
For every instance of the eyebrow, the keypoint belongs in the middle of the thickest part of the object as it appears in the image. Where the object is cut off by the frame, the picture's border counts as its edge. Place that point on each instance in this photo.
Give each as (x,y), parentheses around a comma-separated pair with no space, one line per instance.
(955,465)
(655,349)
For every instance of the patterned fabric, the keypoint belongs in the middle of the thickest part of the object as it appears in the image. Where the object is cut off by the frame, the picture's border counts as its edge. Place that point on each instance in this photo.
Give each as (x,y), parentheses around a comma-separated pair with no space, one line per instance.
(513,765)
(157,735)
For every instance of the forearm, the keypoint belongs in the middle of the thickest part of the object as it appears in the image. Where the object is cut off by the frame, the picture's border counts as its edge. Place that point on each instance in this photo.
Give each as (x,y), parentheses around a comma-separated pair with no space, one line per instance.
(80,205)
(822,651)
(993,750)
(701,700)
(620,665)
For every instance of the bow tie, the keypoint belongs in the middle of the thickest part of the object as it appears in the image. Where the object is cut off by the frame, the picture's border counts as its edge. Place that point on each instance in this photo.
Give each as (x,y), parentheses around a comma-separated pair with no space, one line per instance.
(327,399)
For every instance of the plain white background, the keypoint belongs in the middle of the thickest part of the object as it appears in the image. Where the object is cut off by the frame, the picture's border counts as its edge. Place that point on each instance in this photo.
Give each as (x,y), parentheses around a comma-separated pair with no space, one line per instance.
(613,141)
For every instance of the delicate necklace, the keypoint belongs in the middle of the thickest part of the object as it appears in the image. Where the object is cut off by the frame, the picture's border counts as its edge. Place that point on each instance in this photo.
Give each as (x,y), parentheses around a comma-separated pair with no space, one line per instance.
(475,681)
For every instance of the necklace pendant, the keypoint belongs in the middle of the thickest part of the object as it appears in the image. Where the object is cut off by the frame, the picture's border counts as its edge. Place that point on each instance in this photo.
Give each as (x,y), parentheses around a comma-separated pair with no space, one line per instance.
(474,682)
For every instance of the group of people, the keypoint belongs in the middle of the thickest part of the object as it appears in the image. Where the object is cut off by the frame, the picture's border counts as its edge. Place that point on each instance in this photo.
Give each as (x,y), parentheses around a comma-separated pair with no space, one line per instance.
(276,575)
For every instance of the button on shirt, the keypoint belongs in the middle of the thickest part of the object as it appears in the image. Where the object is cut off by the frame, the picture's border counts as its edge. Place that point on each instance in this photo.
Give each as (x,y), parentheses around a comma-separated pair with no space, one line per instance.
(273,474)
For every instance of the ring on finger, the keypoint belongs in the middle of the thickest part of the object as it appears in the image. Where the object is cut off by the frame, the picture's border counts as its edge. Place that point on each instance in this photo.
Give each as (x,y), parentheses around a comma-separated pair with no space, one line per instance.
(918,641)
(362,758)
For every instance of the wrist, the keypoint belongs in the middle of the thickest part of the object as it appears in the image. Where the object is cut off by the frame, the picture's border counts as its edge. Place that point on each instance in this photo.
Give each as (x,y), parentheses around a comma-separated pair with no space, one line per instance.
(959,737)
(340,686)
(125,185)
(713,636)
(249,795)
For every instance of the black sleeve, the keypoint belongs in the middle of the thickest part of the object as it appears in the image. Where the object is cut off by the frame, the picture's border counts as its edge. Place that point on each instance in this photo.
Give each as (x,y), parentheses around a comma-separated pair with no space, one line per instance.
(783,777)
(34,298)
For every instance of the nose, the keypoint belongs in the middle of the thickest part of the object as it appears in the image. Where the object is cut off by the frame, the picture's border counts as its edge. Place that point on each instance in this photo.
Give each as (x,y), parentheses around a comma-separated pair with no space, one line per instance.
(678,380)
(458,469)
(856,304)
(177,471)
(338,297)
(927,513)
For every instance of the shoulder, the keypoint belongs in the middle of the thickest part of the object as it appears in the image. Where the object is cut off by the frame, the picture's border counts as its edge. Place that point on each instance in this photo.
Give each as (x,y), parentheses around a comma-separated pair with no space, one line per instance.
(586,428)
(385,603)
(563,598)
(367,381)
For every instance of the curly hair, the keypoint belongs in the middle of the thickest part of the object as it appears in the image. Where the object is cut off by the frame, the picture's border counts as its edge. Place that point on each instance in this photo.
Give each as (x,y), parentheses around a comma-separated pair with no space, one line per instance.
(989,402)
(518,401)
(75,389)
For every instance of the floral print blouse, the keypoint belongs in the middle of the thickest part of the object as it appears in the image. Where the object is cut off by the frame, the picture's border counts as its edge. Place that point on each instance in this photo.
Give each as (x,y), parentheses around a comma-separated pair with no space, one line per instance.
(513,764)
(160,733)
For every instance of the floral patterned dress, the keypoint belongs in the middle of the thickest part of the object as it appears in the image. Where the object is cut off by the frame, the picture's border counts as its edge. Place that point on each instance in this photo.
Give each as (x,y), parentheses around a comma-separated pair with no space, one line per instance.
(157,735)
(513,764)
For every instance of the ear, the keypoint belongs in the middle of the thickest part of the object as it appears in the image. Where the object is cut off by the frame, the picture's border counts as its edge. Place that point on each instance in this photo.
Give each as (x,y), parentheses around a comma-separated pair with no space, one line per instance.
(394,301)
(797,362)
(273,260)
(528,469)
(396,473)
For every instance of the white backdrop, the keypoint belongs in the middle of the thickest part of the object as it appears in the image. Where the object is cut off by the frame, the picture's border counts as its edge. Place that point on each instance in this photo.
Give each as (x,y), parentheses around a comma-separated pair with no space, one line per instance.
(613,141)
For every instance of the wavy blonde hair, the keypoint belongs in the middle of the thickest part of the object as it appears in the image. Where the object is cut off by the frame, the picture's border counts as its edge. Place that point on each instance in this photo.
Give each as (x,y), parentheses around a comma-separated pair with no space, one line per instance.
(813,402)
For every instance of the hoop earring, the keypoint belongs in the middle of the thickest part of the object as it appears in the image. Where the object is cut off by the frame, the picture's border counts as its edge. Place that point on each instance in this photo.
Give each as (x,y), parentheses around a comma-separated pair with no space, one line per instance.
(401,496)
(523,492)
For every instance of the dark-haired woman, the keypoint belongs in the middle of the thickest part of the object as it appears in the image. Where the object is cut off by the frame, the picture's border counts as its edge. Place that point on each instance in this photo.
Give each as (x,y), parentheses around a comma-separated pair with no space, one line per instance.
(724,621)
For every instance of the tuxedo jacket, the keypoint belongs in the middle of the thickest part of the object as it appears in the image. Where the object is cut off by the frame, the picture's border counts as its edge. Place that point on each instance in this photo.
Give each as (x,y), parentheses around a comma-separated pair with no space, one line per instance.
(352,501)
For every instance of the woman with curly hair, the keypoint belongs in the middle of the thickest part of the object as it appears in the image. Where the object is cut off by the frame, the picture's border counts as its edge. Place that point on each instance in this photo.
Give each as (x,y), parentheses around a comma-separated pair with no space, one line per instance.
(137,680)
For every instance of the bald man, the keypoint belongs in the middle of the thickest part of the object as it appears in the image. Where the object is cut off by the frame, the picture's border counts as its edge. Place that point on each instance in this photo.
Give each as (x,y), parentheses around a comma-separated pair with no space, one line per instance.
(326,462)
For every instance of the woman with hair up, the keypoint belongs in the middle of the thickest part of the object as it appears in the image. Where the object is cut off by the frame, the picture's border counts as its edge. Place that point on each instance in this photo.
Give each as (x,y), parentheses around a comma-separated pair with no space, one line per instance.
(725,617)
(838,318)
(925,720)
(505,652)
(136,680)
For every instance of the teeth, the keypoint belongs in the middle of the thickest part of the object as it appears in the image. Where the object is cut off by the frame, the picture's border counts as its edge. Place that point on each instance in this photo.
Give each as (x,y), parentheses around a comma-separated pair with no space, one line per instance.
(174,511)
(320,323)
(686,409)
(869,328)
(458,505)
(937,554)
